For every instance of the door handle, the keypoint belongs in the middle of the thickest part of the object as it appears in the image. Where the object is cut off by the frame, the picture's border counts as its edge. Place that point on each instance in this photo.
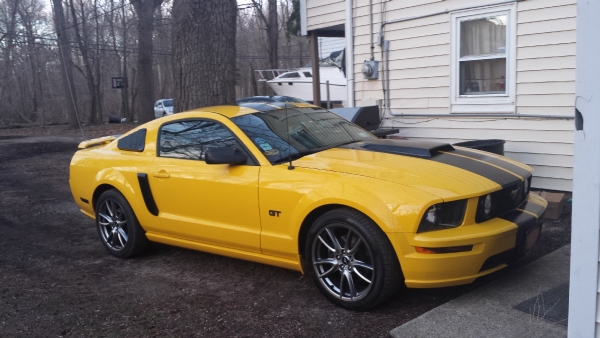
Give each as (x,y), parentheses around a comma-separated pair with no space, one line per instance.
(161,174)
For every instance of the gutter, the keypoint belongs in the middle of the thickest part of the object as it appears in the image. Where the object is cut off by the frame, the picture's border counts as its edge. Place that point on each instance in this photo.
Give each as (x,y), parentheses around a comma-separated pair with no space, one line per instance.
(508,116)
(303,15)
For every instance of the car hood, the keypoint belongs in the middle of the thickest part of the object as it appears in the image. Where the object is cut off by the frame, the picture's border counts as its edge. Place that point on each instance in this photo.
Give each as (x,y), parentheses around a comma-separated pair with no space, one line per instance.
(439,169)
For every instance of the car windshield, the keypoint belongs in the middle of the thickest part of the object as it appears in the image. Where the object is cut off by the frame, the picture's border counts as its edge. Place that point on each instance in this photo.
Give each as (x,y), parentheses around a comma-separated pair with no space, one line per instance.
(168,103)
(287,99)
(295,132)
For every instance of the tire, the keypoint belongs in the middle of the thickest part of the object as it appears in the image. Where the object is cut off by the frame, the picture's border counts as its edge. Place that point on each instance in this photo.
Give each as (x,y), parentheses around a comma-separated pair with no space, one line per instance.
(164,114)
(361,270)
(118,228)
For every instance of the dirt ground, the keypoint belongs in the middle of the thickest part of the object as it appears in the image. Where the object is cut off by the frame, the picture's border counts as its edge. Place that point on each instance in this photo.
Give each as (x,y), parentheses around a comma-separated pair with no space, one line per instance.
(56,279)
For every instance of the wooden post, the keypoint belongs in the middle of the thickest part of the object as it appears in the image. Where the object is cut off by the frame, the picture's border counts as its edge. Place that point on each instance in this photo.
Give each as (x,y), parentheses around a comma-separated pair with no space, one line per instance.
(583,288)
(314,59)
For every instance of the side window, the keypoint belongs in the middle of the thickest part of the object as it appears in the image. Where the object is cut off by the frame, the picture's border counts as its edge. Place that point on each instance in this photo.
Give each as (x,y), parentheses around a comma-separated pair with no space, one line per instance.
(289,75)
(191,139)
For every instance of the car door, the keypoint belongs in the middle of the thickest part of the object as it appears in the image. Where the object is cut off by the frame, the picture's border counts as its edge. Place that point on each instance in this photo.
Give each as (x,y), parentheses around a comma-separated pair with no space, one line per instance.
(208,203)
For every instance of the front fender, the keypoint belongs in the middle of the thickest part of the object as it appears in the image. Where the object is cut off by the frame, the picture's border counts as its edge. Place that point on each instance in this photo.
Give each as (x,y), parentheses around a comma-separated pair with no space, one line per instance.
(393,207)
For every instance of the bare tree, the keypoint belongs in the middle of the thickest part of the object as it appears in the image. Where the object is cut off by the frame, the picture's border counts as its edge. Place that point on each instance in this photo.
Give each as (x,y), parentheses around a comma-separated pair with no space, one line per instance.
(203,52)
(145,80)
(65,63)
(82,42)
(272,29)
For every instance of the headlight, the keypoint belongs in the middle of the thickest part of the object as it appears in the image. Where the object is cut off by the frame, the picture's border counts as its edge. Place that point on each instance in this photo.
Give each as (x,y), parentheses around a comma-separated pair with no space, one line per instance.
(488,205)
(443,216)
(486,208)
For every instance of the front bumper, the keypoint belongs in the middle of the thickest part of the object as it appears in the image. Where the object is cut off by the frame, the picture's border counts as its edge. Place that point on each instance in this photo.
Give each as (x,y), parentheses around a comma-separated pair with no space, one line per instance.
(496,243)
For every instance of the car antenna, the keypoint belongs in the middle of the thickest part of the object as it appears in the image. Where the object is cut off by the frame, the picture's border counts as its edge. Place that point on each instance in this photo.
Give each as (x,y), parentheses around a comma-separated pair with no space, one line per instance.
(287,125)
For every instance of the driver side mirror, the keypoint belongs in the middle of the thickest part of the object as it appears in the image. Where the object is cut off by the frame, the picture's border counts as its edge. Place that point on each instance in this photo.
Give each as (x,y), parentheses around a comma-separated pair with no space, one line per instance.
(224,155)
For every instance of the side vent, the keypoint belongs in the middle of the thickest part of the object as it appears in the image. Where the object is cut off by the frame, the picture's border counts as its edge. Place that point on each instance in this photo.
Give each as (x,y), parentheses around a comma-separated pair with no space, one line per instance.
(133,142)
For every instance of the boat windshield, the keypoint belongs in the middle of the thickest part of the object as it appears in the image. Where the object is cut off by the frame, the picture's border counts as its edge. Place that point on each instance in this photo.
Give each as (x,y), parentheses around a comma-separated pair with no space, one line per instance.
(294,132)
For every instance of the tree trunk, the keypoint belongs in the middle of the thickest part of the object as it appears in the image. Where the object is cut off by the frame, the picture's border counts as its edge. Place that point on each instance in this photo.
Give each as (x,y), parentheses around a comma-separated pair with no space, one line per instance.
(128,113)
(98,83)
(145,12)
(83,49)
(65,64)
(36,83)
(273,32)
(203,53)
(6,89)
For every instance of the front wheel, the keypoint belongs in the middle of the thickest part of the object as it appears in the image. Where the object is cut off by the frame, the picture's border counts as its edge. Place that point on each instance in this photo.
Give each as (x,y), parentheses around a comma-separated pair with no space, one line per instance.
(119,229)
(352,261)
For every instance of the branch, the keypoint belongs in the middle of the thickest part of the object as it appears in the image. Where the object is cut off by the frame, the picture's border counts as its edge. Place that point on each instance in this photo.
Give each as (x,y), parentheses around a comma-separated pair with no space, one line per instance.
(258,7)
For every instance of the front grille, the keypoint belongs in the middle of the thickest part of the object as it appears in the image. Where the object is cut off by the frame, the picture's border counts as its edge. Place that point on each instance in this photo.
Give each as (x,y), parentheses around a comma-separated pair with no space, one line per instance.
(503,200)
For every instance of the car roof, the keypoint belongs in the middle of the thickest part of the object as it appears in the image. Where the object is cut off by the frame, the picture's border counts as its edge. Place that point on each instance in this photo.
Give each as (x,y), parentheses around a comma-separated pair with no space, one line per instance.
(250,108)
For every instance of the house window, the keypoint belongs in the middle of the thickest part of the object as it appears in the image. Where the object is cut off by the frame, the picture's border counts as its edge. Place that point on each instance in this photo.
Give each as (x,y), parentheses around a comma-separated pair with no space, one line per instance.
(483,60)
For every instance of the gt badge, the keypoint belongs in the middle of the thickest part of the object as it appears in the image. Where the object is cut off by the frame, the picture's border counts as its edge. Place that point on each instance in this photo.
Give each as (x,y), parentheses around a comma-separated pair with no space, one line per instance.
(274,213)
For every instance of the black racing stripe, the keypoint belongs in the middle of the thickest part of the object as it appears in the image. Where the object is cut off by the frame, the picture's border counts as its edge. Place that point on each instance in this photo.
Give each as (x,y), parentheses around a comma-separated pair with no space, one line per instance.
(147,194)
(520,218)
(501,177)
(532,207)
(495,161)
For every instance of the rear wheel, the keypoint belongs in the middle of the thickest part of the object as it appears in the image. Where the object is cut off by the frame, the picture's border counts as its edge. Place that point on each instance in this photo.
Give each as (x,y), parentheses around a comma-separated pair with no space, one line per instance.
(352,261)
(119,229)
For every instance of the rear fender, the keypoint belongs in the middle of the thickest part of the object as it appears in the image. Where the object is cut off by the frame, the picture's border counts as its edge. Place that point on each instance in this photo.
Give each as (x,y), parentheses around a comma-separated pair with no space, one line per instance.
(126,182)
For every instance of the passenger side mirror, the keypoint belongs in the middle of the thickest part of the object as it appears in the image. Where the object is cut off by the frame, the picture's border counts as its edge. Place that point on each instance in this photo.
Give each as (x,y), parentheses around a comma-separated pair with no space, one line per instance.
(225,155)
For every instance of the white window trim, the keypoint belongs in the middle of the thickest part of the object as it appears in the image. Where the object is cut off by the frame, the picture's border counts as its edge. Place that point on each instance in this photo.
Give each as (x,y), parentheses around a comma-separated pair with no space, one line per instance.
(492,103)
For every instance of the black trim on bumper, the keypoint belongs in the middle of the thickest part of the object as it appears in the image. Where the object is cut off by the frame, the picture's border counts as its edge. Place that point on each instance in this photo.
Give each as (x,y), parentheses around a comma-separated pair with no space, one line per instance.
(147,193)
(524,222)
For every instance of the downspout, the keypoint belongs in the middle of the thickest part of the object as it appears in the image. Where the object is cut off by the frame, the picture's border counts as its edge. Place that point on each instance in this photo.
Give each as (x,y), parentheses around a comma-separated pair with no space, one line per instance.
(349,32)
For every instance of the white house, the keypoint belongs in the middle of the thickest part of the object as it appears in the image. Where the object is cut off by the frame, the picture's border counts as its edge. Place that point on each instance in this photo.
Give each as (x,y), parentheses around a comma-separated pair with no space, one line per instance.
(458,70)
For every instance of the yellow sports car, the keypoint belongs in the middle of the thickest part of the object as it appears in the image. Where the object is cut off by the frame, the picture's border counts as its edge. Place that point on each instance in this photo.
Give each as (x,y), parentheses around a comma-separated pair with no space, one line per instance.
(296,186)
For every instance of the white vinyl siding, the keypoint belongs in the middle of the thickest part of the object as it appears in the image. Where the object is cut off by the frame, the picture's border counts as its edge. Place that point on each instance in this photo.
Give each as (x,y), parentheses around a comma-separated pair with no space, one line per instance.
(323,14)
(420,77)
(420,70)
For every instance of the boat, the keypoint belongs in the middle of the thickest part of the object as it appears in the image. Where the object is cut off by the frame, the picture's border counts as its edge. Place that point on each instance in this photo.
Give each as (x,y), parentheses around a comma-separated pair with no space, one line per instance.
(297,82)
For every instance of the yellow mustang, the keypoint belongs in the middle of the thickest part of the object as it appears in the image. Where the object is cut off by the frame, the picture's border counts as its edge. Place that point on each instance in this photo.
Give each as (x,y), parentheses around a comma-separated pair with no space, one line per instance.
(296,186)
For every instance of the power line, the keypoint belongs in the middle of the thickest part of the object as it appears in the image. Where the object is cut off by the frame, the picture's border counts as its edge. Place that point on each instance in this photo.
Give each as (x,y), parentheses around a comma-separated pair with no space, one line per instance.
(97,16)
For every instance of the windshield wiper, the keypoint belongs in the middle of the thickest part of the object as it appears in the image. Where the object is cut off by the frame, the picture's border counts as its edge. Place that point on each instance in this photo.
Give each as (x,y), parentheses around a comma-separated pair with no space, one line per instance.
(299,154)
(343,144)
